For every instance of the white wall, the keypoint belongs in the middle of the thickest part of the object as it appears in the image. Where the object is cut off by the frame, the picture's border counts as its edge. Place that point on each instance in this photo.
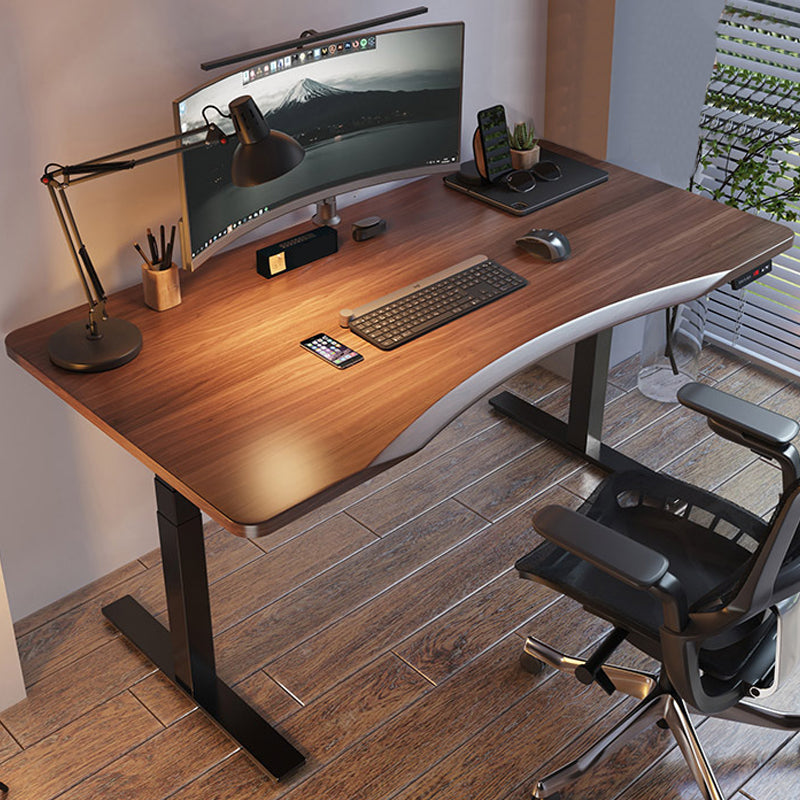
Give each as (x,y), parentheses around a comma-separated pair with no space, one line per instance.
(87,77)
(663,55)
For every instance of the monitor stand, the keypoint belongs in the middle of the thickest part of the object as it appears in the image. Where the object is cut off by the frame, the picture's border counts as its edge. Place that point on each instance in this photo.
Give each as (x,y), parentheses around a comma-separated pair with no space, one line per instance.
(327,213)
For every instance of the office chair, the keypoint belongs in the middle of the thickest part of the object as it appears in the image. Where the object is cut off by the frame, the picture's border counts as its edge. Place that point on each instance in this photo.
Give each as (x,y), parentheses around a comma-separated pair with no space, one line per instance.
(702,586)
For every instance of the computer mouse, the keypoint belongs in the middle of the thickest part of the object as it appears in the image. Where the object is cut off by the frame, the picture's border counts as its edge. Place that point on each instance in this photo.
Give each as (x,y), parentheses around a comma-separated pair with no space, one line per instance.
(546,244)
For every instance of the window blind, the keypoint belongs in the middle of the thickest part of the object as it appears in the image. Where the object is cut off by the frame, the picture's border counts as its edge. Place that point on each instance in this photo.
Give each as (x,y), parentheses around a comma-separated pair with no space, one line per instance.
(754,97)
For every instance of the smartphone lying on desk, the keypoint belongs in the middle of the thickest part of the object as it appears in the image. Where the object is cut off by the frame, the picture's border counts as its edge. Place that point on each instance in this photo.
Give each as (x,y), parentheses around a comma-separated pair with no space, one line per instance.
(331,350)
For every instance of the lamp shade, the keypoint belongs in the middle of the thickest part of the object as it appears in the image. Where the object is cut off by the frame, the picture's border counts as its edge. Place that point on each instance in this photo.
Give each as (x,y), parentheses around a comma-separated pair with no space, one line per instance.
(262,154)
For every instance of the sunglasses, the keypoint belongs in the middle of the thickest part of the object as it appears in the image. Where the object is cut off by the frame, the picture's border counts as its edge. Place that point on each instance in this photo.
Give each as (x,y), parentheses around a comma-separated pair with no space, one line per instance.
(523,180)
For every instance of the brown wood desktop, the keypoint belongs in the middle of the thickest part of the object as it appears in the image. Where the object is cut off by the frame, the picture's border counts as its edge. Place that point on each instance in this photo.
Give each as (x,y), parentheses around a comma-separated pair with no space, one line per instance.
(236,419)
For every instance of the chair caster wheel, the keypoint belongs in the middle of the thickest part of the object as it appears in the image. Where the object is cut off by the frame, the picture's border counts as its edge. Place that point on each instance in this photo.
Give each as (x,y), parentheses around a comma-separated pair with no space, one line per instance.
(530,663)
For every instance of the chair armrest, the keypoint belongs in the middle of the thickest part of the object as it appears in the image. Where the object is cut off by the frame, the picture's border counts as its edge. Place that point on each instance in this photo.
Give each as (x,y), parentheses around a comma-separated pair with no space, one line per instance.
(754,422)
(625,559)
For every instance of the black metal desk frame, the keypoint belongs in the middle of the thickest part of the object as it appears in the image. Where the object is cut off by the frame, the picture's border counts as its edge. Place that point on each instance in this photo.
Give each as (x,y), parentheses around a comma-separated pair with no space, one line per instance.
(185,652)
(582,433)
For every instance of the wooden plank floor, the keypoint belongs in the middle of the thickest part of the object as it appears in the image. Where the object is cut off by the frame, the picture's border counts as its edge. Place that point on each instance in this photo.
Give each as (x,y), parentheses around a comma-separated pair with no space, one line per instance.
(382,635)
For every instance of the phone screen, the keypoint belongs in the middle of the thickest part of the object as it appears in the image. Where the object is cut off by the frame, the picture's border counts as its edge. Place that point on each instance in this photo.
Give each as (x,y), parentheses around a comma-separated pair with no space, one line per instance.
(494,140)
(328,349)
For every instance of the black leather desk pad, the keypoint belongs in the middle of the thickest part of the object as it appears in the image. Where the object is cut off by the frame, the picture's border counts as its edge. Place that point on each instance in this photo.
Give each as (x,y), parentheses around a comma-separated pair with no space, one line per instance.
(575,177)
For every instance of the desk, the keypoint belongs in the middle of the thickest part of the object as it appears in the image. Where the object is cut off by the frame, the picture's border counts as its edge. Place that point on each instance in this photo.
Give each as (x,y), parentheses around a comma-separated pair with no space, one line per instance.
(234,418)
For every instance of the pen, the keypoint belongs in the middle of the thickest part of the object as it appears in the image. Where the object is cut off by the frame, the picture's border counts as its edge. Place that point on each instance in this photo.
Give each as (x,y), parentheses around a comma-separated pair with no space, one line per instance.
(163,248)
(151,241)
(168,254)
(141,253)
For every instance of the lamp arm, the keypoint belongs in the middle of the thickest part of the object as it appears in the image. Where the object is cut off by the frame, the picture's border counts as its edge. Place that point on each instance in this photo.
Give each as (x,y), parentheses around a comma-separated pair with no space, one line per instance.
(95,167)
(64,212)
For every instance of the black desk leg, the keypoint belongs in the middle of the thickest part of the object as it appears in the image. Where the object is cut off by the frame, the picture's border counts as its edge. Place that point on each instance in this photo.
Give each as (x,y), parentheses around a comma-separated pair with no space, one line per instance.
(185,653)
(582,433)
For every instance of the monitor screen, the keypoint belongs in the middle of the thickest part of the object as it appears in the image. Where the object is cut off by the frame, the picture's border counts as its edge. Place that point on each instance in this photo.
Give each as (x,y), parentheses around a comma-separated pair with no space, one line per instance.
(366,109)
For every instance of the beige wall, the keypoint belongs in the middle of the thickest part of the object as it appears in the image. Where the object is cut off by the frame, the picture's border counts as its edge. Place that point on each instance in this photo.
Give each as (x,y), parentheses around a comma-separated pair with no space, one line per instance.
(580,40)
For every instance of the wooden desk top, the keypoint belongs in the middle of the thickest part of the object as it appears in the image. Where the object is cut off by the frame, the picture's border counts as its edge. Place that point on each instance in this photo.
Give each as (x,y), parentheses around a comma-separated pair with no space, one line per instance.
(224,405)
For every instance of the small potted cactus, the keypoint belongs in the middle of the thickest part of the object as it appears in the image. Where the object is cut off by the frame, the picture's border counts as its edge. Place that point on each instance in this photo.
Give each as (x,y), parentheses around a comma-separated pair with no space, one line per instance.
(524,146)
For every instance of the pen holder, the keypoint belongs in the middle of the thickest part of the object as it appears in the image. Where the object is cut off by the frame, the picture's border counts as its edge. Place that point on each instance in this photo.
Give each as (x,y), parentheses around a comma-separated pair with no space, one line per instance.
(162,287)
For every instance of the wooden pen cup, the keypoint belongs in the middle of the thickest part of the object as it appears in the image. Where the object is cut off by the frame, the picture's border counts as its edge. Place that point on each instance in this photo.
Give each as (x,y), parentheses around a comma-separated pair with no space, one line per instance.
(162,287)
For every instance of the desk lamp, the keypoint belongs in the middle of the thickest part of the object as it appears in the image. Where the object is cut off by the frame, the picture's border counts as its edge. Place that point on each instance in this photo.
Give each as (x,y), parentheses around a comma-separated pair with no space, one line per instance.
(103,343)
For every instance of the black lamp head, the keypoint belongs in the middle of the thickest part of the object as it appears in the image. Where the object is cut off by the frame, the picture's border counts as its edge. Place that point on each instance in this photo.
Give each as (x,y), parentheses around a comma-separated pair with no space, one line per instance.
(262,154)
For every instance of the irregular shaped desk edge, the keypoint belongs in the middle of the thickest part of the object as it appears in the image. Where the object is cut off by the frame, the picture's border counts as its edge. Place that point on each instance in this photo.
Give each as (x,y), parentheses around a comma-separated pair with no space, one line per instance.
(426,426)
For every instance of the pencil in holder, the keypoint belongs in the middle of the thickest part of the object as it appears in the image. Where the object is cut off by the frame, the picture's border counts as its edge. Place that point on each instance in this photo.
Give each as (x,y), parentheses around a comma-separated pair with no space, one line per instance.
(162,287)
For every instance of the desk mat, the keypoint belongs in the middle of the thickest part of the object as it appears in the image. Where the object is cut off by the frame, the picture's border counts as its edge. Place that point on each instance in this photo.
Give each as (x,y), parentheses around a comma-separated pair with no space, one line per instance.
(575,177)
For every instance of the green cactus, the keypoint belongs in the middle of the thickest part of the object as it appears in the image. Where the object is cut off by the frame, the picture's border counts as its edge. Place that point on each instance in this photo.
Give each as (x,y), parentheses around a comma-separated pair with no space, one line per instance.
(523,137)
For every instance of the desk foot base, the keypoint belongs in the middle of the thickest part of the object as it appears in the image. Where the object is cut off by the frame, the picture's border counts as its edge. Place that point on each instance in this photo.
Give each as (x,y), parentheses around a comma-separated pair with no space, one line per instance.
(552,428)
(268,749)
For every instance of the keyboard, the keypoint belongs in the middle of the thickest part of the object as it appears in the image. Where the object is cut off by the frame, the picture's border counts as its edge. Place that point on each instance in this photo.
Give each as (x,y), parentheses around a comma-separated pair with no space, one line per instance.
(409,312)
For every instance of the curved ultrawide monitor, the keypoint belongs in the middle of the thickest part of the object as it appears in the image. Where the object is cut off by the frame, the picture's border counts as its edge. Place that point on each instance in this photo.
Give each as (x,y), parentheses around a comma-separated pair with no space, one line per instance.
(367,109)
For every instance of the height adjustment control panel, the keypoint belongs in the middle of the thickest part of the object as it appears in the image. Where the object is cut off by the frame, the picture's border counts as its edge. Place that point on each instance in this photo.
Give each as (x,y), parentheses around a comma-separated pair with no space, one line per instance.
(752,275)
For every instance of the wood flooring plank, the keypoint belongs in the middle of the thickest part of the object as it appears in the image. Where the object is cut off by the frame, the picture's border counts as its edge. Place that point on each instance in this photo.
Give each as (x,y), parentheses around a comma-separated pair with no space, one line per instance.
(77,598)
(439,722)
(356,639)
(66,638)
(628,414)
(236,778)
(248,646)
(605,780)
(450,641)
(535,383)
(622,769)
(710,463)
(735,752)
(414,740)
(162,698)
(777,779)
(752,384)
(514,484)
(8,746)
(583,482)
(261,581)
(626,373)
(74,690)
(716,363)
(439,479)
(354,708)
(757,487)
(160,766)
(564,625)
(525,735)
(261,692)
(667,438)
(78,750)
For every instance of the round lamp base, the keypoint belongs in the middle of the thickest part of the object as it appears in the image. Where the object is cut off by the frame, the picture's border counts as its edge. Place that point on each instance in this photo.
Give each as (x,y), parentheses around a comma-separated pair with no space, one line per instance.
(118,343)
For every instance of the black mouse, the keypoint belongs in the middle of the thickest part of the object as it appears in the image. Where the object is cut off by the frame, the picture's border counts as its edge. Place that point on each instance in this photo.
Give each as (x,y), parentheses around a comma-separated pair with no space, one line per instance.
(546,244)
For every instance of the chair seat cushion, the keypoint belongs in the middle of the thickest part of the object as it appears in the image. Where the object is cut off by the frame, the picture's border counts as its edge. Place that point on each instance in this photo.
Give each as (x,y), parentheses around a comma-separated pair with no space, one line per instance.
(708,542)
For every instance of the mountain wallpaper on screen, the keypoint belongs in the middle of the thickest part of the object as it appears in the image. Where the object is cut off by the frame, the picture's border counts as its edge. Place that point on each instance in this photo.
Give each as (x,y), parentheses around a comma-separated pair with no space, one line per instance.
(313,112)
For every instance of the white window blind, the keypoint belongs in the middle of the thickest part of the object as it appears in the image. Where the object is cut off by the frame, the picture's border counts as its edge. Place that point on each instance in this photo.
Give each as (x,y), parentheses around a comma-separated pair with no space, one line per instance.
(755,92)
